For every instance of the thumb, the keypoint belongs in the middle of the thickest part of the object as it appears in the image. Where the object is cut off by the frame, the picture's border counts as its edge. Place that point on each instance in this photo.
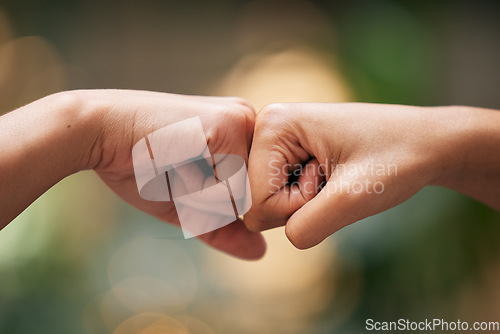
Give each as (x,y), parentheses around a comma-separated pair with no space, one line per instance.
(337,205)
(273,210)
(235,239)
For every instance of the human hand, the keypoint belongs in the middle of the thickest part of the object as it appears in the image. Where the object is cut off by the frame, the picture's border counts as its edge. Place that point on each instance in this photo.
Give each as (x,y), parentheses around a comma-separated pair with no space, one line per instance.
(372,157)
(128,116)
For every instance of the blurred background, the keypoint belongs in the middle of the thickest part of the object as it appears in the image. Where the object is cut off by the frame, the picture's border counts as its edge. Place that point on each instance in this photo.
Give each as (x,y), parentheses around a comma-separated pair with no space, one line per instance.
(80,261)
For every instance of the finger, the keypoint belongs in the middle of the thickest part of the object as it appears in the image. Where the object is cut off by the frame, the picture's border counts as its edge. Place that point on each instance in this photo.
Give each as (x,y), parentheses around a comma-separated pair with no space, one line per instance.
(334,207)
(235,239)
(309,182)
(243,106)
(293,196)
(275,152)
(283,198)
(250,128)
(267,177)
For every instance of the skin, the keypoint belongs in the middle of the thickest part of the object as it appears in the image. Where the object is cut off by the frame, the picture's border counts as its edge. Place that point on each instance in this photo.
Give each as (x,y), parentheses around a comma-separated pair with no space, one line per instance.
(49,139)
(454,147)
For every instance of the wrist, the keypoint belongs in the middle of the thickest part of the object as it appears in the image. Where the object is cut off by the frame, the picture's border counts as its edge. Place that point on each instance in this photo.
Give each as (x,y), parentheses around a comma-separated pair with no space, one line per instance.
(461,136)
(441,131)
(79,122)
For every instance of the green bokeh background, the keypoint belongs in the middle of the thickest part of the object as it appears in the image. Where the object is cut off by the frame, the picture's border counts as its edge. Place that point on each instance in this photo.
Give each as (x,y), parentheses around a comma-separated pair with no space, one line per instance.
(435,256)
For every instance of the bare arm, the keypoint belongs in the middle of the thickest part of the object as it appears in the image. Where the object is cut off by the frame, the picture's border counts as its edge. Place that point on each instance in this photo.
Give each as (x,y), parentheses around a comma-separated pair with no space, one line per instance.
(471,154)
(41,143)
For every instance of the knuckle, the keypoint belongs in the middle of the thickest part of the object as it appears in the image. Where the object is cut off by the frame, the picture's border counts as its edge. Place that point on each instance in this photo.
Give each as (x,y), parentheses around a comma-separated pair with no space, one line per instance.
(273,114)
(272,120)
(237,112)
(229,114)
(239,119)
(249,117)
(275,108)
(241,101)
(239,105)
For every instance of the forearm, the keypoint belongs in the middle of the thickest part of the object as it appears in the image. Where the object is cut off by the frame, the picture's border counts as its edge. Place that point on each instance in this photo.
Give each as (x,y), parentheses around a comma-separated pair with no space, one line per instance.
(471,153)
(40,144)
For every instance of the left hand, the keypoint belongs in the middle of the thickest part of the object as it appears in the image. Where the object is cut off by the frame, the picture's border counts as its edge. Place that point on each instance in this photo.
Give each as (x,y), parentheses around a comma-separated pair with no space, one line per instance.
(128,116)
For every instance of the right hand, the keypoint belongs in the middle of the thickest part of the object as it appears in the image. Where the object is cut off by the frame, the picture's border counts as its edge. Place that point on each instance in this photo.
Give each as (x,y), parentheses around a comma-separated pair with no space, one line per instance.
(372,157)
